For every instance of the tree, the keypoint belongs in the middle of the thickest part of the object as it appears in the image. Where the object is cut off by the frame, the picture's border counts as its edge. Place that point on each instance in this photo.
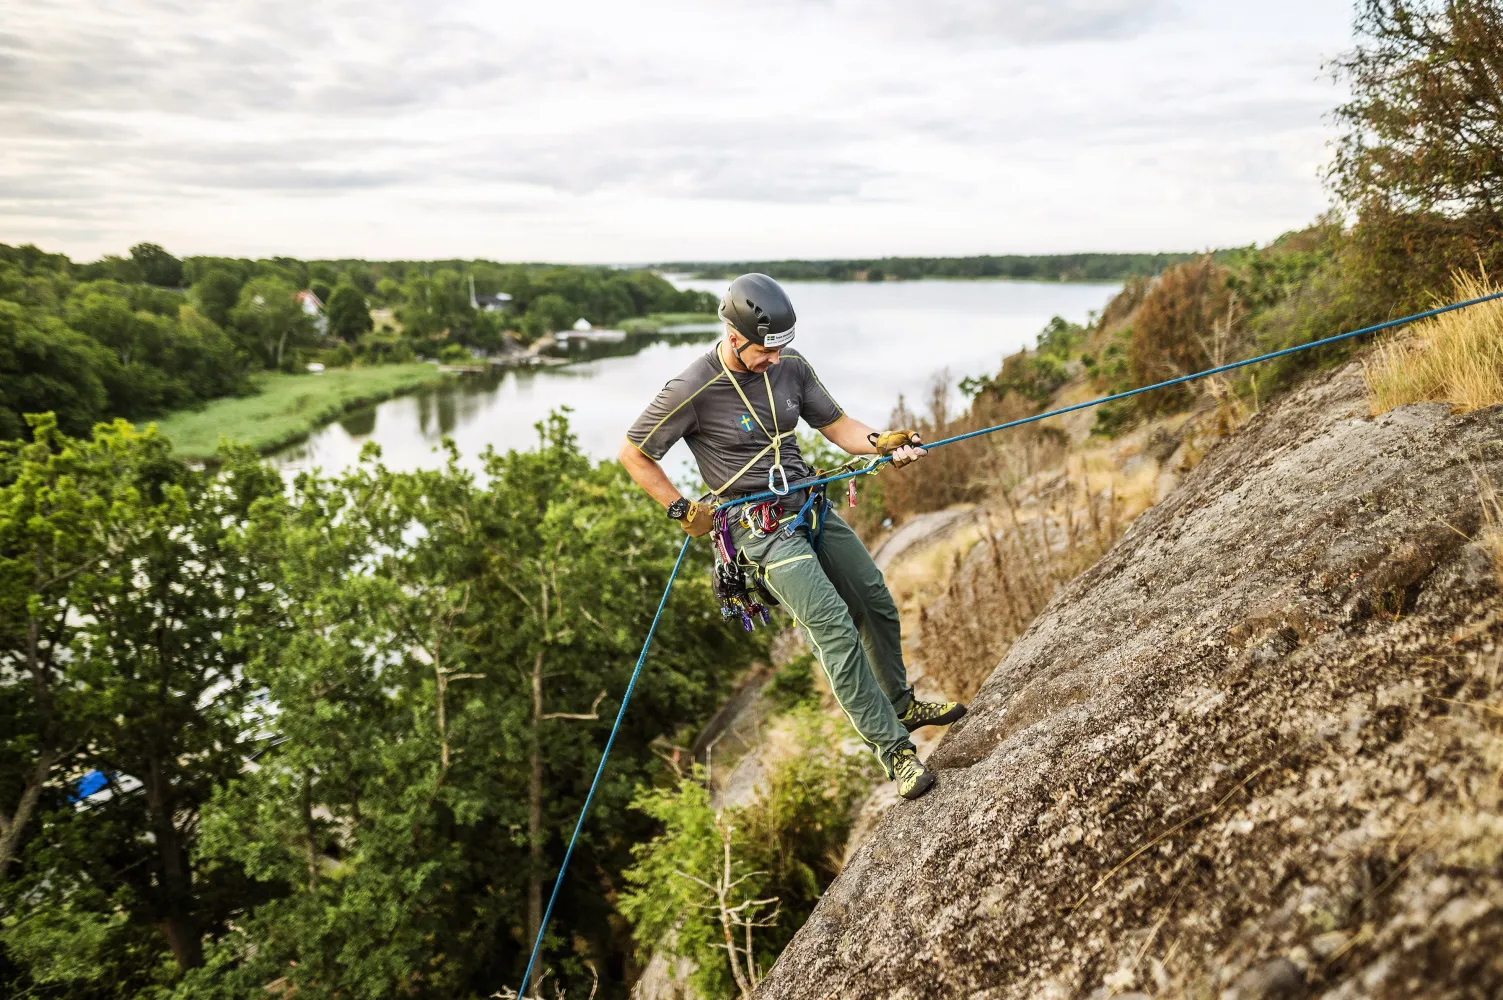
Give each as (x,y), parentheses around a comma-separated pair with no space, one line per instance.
(157,266)
(45,366)
(268,319)
(129,636)
(216,293)
(438,685)
(349,317)
(728,889)
(1421,163)
(1185,320)
(548,313)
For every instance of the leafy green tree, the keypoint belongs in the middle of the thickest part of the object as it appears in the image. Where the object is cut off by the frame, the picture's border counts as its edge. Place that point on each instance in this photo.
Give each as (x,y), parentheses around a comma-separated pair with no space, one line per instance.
(157,266)
(132,641)
(45,366)
(216,293)
(348,314)
(1421,161)
(389,291)
(549,313)
(728,890)
(439,715)
(269,319)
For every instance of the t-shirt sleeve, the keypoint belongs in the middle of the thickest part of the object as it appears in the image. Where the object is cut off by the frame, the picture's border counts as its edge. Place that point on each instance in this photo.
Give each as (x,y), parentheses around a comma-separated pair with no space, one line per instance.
(819,408)
(669,417)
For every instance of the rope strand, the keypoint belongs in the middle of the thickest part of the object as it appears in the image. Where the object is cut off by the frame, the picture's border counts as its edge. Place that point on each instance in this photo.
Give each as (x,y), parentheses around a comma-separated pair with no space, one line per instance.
(864,470)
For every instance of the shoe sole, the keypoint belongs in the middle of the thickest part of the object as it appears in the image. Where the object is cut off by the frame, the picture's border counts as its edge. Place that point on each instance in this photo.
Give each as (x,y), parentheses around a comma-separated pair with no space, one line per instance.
(922,785)
(953,715)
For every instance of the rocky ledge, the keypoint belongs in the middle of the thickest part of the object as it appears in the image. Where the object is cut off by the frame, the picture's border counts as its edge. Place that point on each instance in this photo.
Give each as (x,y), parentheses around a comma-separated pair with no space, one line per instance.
(1239,757)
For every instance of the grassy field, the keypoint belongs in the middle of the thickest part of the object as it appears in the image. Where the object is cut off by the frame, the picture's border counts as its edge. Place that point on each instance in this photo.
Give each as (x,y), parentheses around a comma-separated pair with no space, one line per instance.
(656,321)
(288,407)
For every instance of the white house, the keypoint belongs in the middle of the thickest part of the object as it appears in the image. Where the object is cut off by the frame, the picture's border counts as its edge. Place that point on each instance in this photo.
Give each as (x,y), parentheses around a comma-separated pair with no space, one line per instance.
(582,325)
(315,308)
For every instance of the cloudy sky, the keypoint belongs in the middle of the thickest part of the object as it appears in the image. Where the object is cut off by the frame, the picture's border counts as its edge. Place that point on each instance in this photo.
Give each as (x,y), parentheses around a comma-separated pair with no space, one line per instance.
(662,129)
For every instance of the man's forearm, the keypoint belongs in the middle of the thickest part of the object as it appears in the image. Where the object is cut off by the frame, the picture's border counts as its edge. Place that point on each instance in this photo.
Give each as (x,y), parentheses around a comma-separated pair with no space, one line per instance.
(648,474)
(850,435)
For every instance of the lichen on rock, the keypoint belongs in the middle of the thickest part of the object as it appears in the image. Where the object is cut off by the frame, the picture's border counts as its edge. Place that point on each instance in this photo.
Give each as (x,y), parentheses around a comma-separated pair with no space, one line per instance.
(1232,756)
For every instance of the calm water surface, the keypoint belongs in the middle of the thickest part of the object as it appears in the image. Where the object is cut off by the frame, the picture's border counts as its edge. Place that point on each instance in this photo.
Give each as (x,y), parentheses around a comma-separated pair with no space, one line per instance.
(869,342)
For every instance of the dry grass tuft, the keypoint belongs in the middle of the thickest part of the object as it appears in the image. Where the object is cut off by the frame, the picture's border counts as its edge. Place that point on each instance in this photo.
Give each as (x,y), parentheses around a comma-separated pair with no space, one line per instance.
(1492,527)
(1023,555)
(1455,358)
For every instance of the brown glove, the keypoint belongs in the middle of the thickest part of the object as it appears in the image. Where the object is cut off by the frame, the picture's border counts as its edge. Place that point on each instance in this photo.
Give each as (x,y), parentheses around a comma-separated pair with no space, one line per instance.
(887,442)
(697,521)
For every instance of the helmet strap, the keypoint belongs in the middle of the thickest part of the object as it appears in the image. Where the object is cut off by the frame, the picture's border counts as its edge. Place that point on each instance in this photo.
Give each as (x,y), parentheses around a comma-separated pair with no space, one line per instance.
(743,347)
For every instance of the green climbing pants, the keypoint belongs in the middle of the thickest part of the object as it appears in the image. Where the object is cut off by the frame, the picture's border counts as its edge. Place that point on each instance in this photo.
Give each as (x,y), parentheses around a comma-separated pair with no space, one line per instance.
(839,597)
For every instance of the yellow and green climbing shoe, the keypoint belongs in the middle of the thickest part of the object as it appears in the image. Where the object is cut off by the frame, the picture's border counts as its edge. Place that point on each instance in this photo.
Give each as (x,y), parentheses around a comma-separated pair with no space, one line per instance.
(930,713)
(913,778)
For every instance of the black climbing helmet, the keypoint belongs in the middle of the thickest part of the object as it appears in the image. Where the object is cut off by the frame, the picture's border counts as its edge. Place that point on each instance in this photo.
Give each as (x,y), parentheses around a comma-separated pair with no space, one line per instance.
(758,308)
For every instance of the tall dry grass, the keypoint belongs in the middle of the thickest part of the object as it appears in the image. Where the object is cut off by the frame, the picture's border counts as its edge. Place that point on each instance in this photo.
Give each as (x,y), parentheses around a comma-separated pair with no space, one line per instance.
(967,471)
(1455,358)
(1492,525)
(1026,552)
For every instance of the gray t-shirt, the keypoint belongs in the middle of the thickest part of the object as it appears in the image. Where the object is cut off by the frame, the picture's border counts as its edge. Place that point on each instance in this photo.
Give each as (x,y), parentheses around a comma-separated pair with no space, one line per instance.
(731,443)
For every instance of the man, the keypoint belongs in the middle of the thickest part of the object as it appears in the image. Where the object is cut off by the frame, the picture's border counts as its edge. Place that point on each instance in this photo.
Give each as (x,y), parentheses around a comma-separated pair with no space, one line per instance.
(737,407)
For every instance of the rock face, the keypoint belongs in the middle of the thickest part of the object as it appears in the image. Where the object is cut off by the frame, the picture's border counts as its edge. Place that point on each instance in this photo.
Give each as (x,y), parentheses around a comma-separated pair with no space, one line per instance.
(1228,760)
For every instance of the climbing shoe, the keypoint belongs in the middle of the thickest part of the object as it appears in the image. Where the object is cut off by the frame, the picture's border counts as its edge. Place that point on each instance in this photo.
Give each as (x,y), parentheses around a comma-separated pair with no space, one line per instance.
(930,713)
(913,778)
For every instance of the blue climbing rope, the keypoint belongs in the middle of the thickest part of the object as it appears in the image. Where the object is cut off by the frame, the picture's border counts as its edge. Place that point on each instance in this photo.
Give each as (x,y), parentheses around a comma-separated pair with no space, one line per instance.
(866,469)
(620,714)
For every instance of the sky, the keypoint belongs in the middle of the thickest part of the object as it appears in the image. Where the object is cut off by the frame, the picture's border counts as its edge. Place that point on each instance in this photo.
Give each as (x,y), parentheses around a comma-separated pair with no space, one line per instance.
(662,129)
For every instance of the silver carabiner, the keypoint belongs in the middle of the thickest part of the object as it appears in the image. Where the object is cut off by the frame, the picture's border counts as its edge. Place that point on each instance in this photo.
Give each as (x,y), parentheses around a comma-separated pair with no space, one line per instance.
(772,482)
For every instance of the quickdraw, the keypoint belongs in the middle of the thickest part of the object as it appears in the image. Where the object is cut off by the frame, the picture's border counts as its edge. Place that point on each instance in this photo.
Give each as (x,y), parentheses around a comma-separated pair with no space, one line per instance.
(728,578)
(761,519)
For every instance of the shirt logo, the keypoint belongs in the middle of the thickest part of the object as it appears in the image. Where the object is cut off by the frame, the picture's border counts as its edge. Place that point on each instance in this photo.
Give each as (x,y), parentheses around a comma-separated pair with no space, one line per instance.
(745,422)
(792,403)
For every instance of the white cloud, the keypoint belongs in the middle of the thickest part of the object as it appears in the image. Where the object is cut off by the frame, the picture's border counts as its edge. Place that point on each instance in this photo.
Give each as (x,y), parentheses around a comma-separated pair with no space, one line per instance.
(661,129)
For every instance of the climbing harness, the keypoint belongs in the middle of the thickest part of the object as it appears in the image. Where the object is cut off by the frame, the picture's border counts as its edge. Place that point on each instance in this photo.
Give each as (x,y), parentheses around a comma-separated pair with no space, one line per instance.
(722,511)
(728,575)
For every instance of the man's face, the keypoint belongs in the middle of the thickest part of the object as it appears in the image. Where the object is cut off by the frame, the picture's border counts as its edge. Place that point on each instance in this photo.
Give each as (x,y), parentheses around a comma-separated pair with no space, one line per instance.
(755,357)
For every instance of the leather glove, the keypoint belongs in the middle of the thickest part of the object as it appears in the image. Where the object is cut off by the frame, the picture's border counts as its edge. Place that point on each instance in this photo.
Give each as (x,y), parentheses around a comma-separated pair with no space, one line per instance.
(903,444)
(697,520)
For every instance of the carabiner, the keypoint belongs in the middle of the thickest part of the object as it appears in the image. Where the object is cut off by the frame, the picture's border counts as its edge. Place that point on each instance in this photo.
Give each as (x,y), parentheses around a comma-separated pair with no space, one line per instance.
(772,482)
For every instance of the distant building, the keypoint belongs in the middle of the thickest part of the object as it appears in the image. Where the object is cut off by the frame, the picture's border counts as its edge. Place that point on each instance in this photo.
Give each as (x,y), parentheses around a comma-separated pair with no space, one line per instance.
(312,306)
(582,325)
(489,303)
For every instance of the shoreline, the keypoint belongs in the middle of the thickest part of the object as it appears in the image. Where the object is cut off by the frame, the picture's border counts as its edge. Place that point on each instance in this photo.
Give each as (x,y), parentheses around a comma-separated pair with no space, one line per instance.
(289,407)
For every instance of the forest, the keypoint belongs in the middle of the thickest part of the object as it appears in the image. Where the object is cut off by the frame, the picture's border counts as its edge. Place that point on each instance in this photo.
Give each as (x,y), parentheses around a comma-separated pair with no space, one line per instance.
(1019,267)
(139,336)
(328,738)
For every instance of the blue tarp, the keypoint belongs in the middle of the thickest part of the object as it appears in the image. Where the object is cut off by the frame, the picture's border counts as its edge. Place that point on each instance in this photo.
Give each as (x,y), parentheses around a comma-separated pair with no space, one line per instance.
(87,785)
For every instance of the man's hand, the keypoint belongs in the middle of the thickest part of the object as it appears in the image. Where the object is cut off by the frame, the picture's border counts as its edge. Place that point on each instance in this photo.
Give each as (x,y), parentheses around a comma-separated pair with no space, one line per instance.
(904,445)
(697,520)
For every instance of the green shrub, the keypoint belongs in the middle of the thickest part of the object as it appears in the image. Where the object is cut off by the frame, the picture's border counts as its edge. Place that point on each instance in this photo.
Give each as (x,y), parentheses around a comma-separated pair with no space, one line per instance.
(338,357)
(784,846)
(793,685)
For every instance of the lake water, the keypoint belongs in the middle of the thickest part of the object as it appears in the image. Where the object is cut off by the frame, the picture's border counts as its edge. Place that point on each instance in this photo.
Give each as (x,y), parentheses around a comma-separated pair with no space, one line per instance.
(870,343)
